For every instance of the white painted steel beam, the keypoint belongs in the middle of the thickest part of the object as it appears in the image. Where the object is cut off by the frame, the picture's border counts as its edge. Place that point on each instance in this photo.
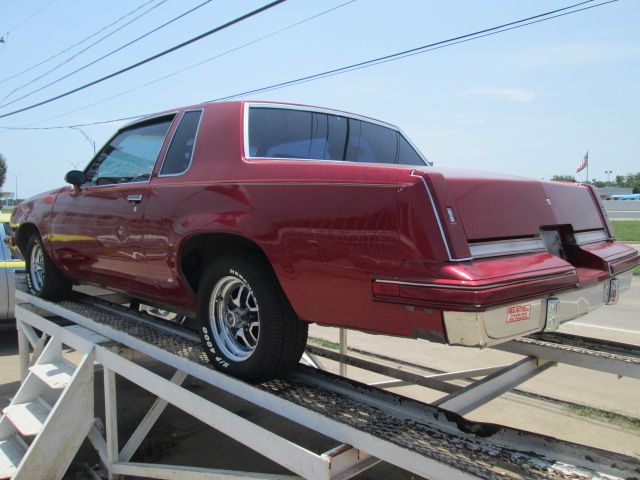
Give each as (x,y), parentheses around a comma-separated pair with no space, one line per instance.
(149,420)
(291,456)
(483,391)
(177,472)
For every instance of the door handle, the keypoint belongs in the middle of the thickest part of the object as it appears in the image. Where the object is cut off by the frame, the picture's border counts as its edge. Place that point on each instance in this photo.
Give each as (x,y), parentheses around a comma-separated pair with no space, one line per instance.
(134,198)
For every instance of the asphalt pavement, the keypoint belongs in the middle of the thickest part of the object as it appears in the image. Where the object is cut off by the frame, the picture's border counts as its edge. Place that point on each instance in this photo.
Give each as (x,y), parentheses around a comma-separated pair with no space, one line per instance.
(622,209)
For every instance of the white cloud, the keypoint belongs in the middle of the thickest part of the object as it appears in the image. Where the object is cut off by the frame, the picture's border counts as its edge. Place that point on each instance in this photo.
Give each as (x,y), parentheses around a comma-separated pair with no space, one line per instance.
(510,94)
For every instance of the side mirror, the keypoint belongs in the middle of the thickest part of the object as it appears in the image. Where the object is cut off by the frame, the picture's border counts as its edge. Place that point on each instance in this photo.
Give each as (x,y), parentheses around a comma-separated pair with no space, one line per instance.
(75,178)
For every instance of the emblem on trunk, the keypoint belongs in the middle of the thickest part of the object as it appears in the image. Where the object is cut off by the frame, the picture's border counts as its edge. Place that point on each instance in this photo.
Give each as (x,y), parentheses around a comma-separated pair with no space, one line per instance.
(549,201)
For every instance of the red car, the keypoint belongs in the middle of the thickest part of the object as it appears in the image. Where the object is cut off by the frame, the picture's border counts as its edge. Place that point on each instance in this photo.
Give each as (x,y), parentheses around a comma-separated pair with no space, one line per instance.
(261,218)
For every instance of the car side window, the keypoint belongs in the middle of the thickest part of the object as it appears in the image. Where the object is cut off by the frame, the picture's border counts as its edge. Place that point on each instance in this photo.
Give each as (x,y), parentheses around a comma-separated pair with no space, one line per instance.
(179,153)
(279,133)
(130,156)
(290,133)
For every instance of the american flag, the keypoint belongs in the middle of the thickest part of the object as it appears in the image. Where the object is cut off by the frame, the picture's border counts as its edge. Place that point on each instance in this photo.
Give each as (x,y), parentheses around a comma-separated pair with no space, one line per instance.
(584,164)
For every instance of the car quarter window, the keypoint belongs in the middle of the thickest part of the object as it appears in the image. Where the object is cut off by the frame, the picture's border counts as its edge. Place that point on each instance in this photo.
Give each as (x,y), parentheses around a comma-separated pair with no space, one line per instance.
(371,143)
(407,155)
(291,133)
(130,156)
(178,157)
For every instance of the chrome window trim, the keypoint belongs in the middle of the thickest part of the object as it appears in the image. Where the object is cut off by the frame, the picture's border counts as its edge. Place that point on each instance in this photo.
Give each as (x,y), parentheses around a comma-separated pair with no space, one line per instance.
(593,236)
(475,287)
(193,148)
(285,106)
(507,247)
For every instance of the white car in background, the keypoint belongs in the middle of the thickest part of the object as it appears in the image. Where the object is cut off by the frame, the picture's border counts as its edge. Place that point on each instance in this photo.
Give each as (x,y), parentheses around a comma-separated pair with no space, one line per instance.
(9,266)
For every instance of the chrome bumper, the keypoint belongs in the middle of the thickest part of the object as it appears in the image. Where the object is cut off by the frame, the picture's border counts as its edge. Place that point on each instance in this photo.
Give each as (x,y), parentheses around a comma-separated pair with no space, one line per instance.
(502,324)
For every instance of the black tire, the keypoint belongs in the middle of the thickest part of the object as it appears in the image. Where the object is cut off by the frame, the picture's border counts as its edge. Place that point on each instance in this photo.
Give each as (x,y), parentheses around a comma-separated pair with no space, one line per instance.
(44,278)
(277,347)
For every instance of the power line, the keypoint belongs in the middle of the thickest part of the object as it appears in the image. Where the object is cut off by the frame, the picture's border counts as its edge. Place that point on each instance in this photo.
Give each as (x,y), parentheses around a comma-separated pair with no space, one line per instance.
(149,59)
(30,17)
(76,125)
(64,62)
(392,57)
(112,52)
(422,49)
(226,52)
(15,75)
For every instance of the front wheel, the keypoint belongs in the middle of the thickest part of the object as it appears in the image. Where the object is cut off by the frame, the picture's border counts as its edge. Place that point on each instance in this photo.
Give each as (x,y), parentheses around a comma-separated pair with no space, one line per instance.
(44,278)
(248,327)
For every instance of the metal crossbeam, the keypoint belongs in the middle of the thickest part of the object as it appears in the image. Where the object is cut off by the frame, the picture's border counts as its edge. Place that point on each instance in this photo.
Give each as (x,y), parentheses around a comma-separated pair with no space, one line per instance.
(481,392)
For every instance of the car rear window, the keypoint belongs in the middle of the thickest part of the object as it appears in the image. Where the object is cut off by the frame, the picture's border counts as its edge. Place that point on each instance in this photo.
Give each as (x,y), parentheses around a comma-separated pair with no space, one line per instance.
(291,133)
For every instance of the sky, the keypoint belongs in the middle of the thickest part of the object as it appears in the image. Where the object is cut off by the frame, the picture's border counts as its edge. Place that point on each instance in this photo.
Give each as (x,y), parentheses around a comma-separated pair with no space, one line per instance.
(527,102)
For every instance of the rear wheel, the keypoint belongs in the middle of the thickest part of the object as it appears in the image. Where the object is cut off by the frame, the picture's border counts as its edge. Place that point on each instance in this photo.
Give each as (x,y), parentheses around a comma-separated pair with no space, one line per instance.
(44,278)
(247,325)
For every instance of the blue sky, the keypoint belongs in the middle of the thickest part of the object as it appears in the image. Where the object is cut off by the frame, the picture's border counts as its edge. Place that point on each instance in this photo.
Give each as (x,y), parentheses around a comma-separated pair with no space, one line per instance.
(528,102)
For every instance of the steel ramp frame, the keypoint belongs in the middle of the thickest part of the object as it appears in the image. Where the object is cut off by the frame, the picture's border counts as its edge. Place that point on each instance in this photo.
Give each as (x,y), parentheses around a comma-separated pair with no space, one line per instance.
(368,424)
(540,351)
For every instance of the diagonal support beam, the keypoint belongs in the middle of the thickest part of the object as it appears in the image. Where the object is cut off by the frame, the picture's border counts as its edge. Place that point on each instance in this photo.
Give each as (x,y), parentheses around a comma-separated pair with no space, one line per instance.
(149,420)
(479,393)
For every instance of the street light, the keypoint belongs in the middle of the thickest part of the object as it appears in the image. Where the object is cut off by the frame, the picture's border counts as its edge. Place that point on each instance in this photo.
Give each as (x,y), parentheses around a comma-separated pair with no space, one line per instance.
(608,172)
(16,178)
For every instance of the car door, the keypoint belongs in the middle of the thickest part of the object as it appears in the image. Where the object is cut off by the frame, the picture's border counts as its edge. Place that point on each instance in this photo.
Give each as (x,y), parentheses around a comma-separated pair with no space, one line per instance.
(96,230)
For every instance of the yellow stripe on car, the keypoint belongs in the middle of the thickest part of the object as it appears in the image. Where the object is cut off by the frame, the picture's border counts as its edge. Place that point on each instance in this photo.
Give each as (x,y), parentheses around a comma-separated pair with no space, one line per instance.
(12,264)
(61,237)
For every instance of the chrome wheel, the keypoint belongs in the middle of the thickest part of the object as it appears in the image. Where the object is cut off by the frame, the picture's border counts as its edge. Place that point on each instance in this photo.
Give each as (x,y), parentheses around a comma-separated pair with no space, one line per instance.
(234,318)
(36,267)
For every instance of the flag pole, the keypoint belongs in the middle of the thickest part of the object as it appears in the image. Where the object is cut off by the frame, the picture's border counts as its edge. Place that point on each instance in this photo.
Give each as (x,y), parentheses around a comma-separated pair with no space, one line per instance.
(587,166)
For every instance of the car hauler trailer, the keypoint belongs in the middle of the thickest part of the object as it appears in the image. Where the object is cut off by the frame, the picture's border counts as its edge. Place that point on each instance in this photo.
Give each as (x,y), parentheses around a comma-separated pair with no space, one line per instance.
(53,411)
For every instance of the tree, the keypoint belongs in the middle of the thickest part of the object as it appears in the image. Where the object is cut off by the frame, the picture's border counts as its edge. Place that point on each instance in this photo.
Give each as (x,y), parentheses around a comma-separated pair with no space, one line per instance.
(3,169)
(563,178)
(630,180)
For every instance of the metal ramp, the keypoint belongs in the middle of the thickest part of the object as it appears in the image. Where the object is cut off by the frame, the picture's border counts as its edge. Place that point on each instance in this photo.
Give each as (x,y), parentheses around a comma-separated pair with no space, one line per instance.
(367,424)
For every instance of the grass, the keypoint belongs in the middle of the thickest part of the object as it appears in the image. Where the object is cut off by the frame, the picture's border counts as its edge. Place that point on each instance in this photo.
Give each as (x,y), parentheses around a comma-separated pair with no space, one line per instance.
(324,343)
(603,415)
(626,230)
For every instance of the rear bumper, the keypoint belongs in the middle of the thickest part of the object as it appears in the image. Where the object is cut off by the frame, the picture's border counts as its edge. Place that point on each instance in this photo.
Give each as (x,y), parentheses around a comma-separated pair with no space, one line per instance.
(498,325)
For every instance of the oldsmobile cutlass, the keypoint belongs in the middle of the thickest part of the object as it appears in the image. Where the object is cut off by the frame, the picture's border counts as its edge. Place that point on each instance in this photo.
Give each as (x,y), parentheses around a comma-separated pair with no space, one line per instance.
(260,218)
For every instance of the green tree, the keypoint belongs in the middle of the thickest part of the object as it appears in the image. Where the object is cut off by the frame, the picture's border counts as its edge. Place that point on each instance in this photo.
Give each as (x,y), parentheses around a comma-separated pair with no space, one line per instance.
(3,169)
(630,180)
(564,178)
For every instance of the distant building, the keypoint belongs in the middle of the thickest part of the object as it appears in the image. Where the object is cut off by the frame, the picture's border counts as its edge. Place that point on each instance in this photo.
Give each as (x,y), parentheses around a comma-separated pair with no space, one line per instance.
(606,192)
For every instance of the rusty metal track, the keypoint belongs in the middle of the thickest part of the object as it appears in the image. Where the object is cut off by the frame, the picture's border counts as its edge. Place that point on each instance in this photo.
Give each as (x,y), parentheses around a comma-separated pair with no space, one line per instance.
(592,353)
